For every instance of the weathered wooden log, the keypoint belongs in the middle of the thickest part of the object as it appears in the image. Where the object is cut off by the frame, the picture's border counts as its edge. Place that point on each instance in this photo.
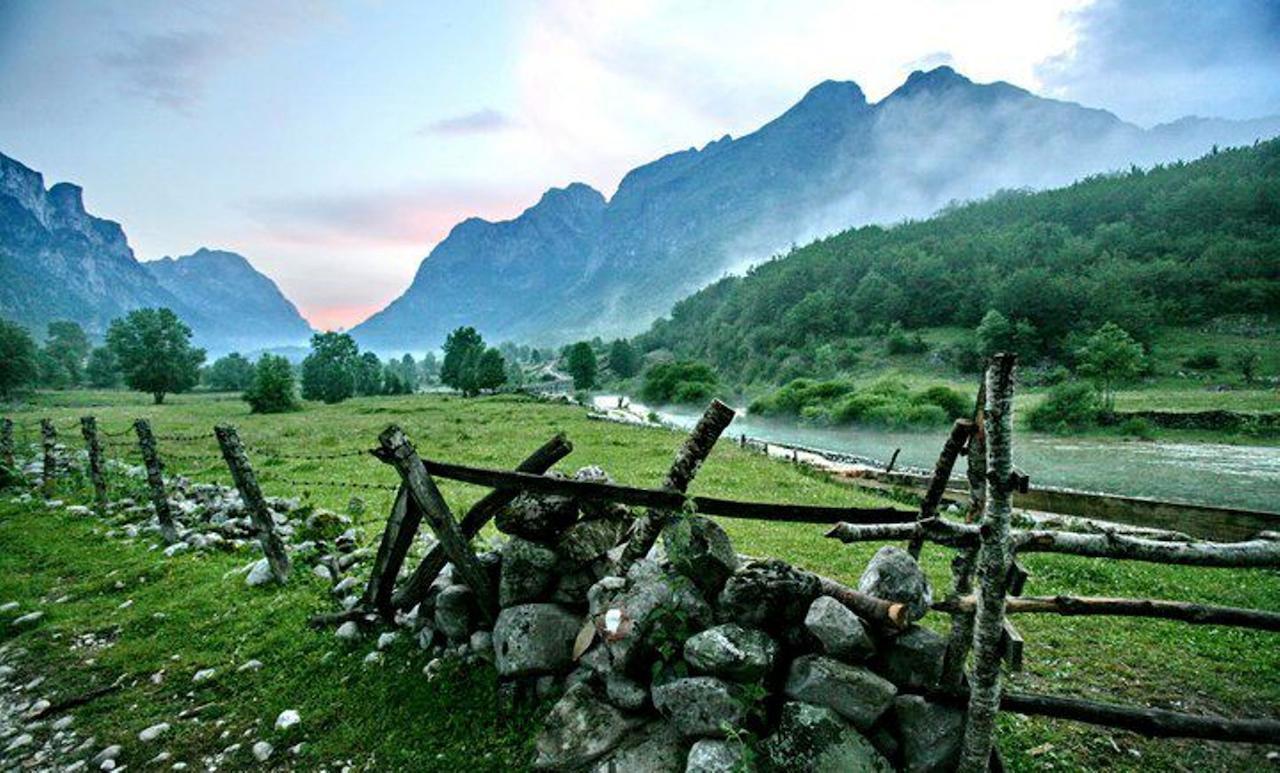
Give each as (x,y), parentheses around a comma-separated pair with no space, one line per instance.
(397,537)
(994,557)
(888,468)
(667,500)
(89,428)
(1012,645)
(395,449)
(237,460)
(976,457)
(155,480)
(881,613)
(961,636)
(414,589)
(936,530)
(645,529)
(1182,611)
(48,438)
(6,443)
(956,441)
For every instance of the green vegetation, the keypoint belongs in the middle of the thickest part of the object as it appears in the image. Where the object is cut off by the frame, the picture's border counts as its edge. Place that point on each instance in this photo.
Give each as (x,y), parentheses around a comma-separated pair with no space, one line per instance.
(232,373)
(329,371)
(62,358)
(886,403)
(1110,357)
(468,366)
(155,354)
(272,389)
(212,620)
(580,361)
(18,364)
(624,360)
(1178,245)
(103,370)
(1068,407)
(679,382)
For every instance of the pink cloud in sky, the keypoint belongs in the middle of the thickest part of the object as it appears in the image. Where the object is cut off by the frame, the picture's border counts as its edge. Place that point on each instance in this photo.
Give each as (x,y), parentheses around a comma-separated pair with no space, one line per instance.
(338,316)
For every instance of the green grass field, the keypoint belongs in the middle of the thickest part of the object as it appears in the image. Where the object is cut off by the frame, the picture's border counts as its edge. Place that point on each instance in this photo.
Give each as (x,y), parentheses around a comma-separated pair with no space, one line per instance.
(188,615)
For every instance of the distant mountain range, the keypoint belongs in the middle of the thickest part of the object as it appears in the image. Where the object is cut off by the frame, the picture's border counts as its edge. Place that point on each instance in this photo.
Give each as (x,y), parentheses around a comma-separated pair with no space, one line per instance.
(59,262)
(575,265)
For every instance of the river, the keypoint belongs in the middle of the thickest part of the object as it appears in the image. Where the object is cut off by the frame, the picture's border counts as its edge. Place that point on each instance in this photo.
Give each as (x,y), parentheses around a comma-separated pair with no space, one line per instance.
(1205,473)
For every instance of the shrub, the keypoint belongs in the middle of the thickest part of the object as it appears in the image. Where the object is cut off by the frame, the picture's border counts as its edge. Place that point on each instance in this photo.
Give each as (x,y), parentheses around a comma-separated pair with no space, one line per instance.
(1073,405)
(1139,428)
(1204,359)
(953,404)
(898,342)
(272,388)
(674,382)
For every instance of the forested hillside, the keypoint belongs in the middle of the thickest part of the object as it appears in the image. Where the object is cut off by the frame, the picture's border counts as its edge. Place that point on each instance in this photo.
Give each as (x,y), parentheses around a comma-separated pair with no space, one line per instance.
(1174,245)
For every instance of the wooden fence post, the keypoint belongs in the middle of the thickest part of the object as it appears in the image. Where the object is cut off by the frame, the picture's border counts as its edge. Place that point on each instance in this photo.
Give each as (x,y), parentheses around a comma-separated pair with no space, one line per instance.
(977,458)
(155,480)
(645,529)
(993,561)
(247,484)
(395,449)
(89,428)
(960,432)
(48,438)
(6,443)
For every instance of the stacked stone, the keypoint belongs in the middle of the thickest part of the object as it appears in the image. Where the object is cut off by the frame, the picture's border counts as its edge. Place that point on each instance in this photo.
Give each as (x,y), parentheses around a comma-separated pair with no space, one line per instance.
(696,659)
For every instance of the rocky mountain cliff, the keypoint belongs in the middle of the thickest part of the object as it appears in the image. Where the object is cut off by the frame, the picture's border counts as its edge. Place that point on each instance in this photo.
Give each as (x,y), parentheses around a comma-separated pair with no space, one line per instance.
(574,265)
(59,262)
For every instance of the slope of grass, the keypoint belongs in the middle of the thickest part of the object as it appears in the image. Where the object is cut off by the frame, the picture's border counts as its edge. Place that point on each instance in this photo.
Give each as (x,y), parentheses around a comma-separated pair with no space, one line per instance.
(390,716)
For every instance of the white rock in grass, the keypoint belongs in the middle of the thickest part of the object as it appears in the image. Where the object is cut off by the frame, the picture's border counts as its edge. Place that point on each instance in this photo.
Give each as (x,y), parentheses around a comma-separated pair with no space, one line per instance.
(287,719)
(373,658)
(204,675)
(260,574)
(27,619)
(8,606)
(322,572)
(387,639)
(17,743)
(262,751)
(345,585)
(109,753)
(348,631)
(153,732)
(251,665)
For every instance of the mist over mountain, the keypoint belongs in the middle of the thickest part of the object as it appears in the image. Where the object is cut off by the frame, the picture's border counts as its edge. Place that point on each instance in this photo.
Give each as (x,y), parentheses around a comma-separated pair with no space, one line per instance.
(59,262)
(574,265)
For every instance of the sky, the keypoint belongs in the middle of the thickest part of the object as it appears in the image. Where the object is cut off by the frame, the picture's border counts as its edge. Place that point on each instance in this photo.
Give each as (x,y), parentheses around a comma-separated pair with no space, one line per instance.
(334,143)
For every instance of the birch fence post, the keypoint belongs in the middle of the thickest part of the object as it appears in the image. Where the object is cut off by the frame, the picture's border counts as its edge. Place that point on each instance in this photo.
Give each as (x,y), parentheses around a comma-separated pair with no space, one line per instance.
(6,443)
(992,566)
(155,480)
(48,438)
(247,484)
(89,428)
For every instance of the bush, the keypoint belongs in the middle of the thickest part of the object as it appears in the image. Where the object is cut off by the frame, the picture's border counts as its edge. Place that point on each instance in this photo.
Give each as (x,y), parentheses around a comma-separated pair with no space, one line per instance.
(953,404)
(1073,405)
(676,382)
(898,342)
(1138,428)
(272,389)
(1204,359)
(886,403)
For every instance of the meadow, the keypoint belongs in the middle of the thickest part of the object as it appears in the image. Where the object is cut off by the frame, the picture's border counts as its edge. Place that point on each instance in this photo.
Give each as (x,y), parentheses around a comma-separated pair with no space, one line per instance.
(191,612)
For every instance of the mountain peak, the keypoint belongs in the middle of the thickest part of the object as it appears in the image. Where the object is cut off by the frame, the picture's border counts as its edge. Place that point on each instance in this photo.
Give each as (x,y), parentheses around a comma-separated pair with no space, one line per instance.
(830,94)
(937,79)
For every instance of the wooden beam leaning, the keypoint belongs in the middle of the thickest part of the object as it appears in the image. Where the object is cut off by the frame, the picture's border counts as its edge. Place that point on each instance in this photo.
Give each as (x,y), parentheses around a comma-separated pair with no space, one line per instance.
(155,480)
(247,483)
(48,438)
(395,449)
(961,431)
(1181,611)
(645,529)
(414,589)
(89,428)
(397,536)
(992,567)
(961,636)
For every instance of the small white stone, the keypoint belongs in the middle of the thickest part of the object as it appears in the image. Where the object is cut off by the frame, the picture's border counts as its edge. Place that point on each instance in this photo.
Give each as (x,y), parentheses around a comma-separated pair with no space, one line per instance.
(348,631)
(126,604)
(322,572)
(251,665)
(373,658)
(387,639)
(27,619)
(62,723)
(262,751)
(204,675)
(160,758)
(23,740)
(287,719)
(259,574)
(8,606)
(153,732)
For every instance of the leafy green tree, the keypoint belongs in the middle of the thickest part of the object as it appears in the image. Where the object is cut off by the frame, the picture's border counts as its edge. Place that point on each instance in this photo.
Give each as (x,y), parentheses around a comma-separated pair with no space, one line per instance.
(66,347)
(429,369)
(1068,406)
(463,349)
(18,365)
(1247,361)
(624,360)
(1110,357)
(232,373)
(155,354)
(997,333)
(409,373)
(272,388)
(581,363)
(329,371)
(369,375)
(53,372)
(103,371)
(491,370)
(679,382)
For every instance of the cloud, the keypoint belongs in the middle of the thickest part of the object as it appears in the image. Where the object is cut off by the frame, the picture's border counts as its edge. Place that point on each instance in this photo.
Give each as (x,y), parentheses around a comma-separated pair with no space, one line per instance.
(480,122)
(1157,60)
(166,68)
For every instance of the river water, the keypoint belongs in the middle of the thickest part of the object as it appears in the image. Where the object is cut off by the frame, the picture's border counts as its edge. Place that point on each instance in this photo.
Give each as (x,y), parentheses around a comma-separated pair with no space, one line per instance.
(1206,473)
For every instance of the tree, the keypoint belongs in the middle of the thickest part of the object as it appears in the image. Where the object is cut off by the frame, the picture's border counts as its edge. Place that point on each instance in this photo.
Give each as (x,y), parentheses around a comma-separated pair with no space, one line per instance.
(1246,361)
(103,371)
(491,370)
(624,360)
(679,382)
(463,349)
(409,373)
(66,347)
(18,365)
(581,364)
(232,373)
(1110,357)
(369,375)
(154,350)
(997,333)
(429,369)
(329,371)
(271,389)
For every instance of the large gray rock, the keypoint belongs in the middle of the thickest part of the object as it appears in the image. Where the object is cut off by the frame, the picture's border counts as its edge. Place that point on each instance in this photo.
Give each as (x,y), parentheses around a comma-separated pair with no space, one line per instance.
(528,571)
(731,652)
(700,706)
(655,748)
(699,549)
(580,729)
(930,734)
(856,693)
(537,517)
(893,575)
(624,692)
(813,739)
(653,596)
(453,613)
(712,755)
(586,541)
(913,658)
(534,639)
(841,633)
(771,595)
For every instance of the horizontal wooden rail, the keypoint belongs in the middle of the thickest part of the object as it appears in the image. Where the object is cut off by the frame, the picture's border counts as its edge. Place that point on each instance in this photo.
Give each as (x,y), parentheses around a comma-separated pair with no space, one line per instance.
(667,500)
(1262,552)
(1182,611)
